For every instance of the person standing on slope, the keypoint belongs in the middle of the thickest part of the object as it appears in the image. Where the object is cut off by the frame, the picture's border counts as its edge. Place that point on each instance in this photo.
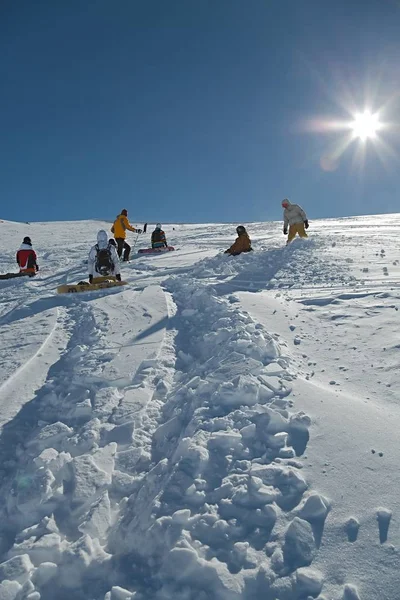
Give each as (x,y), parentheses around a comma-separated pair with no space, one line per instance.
(241,244)
(103,258)
(121,224)
(26,258)
(295,218)
(158,239)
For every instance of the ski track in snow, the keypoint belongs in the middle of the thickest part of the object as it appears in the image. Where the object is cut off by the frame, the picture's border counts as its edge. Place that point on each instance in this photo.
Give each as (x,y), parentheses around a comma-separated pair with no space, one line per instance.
(154,443)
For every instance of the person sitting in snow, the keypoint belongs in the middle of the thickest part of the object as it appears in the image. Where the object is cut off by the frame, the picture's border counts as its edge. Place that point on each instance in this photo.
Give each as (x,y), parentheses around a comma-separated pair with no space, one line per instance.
(242,242)
(103,258)
(26,258)
(294,217)
(120,225)
(158,239)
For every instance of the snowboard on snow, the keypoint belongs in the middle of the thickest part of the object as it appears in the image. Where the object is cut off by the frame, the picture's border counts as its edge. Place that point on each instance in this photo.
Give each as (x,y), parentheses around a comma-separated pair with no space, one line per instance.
(99,283)
(155,250)
(12,275)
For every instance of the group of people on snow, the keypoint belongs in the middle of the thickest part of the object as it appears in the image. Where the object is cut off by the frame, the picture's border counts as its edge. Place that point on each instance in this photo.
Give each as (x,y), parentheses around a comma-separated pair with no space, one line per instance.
(294,218)
(106,254)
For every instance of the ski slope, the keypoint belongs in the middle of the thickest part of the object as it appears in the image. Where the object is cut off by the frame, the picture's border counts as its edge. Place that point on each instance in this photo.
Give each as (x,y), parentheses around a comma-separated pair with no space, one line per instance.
(222,428)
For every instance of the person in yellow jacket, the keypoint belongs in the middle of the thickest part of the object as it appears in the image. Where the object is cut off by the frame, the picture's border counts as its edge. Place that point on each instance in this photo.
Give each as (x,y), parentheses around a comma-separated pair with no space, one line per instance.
(242,242)
(120,225)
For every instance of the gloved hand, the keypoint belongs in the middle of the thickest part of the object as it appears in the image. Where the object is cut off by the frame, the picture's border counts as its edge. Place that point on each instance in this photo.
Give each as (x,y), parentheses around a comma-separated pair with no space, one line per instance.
(118,277)
(90,278)
(139,230)
(306,224)
(37,268)
(285,231)
(226,252)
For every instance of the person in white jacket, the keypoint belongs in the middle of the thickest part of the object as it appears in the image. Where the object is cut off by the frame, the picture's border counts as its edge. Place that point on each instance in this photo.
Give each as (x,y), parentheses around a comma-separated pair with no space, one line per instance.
(103,258)
(295,218)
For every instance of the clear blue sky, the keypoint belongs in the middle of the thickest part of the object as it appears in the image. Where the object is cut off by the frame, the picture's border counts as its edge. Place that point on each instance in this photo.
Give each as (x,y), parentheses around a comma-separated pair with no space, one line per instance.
(193,110)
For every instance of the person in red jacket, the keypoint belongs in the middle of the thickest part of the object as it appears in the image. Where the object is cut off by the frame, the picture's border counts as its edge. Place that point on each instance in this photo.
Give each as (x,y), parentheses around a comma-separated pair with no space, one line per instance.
(26,258)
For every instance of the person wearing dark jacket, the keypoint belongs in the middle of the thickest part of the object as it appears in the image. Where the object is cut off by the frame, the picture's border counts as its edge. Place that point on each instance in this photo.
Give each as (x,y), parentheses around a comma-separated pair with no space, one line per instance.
(241,244)
(27,259)
(158,239)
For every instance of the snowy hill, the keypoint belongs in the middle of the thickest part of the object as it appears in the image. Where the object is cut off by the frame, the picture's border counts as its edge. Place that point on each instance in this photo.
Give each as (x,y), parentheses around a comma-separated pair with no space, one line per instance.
(221,428)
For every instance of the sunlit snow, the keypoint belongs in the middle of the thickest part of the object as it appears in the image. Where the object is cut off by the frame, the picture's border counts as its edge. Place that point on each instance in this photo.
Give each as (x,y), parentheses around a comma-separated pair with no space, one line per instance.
(221,428)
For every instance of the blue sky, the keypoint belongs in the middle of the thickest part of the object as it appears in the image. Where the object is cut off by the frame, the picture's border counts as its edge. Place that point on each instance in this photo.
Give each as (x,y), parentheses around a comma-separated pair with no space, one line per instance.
(195,110)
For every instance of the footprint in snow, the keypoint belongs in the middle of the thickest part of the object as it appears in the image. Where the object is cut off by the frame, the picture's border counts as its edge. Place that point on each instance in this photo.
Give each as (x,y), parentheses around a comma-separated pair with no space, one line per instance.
(352,526)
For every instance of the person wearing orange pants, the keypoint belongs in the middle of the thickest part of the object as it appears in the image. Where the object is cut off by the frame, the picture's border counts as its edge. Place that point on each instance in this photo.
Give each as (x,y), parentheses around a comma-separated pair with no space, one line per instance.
(297,228)
(295,218)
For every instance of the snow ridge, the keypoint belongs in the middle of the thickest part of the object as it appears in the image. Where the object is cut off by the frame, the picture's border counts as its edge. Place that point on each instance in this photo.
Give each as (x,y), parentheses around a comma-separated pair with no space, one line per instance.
(225,473)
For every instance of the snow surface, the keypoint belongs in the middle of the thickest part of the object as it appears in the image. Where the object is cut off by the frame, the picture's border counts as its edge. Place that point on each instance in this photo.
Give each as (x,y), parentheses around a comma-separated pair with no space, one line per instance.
(222,428)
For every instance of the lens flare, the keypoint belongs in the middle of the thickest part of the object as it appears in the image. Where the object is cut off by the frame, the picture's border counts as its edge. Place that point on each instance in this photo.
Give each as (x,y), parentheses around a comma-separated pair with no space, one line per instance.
(365,125)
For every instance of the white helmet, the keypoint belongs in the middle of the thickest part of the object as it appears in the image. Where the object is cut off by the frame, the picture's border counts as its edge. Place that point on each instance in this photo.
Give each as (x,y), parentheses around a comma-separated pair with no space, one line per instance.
(158,226)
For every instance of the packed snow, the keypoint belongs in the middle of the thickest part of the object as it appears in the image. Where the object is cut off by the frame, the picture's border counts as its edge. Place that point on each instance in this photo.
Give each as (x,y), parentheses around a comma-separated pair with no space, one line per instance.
(221,428)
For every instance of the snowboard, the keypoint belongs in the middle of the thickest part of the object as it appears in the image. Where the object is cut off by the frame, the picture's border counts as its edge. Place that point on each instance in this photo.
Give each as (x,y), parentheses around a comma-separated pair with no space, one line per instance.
(99,283)
(12,275)
(155,250)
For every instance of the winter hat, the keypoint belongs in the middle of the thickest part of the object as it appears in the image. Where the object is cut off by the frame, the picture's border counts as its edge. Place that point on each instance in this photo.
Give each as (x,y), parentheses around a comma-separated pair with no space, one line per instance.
(158,226)
(27,240)
(102,239)
(240,229)
(124,212)
(285,202)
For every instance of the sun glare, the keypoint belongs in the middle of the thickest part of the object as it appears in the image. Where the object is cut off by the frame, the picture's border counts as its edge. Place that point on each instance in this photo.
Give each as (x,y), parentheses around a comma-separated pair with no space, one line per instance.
(365,125)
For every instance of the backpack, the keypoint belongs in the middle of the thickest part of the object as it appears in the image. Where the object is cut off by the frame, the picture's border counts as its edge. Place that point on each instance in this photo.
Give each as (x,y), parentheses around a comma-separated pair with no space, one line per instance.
(104,262)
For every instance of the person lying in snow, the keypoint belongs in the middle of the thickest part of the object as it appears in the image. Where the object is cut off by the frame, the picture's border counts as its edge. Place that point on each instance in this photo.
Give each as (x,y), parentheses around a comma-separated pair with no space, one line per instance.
(242,242)
(103,258)
(120,225)
(158,239)
(26,258)
(294,217)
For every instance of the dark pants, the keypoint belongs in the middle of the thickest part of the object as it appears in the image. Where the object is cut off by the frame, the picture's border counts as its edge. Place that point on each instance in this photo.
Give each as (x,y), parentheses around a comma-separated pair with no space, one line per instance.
(122,246)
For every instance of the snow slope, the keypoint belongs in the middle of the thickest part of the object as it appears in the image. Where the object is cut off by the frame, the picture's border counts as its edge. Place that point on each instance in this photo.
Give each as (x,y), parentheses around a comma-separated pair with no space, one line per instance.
(222,428)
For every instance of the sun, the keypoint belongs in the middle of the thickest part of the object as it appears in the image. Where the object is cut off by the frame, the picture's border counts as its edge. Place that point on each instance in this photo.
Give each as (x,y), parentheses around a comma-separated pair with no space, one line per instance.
(365,125)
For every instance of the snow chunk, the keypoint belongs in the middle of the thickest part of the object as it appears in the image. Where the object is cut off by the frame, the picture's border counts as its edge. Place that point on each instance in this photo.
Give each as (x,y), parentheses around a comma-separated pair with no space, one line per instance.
(51,436)
(44,573)
(121,434)
(315,508)
(132,460)
(45,526)
(98,519)
(47,547)
(350,592)
(105,458)
(76,560)
(227,441)
(270,421)
(187,567)
(32,492)
(308,581)
(124,484)
(243,390)
(299,547)
(300,421)
(9,590)
(53,460)
(118,593)
(88,479)
(18,568)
